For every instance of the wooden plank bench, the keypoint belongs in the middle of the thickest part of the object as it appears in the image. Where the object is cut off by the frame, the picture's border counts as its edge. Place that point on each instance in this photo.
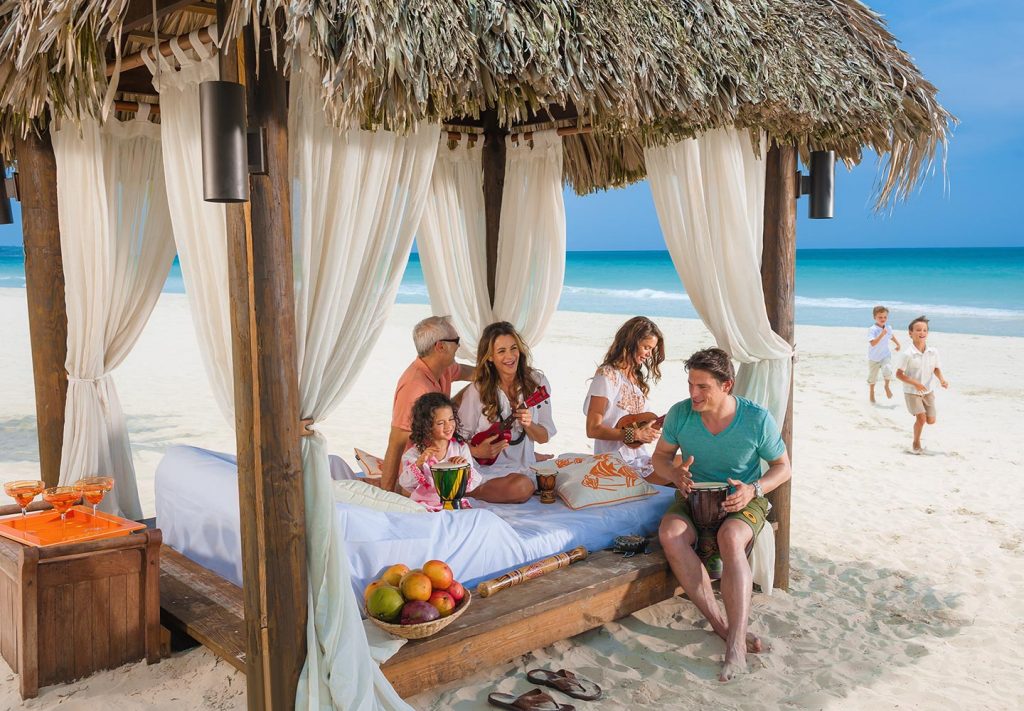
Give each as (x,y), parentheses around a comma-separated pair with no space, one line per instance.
(199,603)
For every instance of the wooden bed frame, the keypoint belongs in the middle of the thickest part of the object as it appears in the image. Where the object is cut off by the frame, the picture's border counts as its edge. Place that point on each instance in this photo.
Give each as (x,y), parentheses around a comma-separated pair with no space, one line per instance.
(604,587)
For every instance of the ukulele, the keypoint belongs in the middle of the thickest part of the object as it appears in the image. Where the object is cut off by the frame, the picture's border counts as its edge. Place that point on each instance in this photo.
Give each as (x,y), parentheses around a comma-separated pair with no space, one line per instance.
(503,427)
(643,419)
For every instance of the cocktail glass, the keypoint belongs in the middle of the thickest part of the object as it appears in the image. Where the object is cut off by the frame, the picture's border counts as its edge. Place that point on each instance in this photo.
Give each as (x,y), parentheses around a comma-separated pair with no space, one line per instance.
(24,492)
(93,489)
(62,498)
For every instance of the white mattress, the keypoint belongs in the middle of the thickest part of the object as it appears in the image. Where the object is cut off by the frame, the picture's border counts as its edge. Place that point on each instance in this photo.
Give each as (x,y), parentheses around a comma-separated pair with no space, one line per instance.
(197,510)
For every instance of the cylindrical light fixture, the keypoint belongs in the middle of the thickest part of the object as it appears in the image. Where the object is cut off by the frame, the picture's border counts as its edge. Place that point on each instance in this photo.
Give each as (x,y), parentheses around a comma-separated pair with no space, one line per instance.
(225,155)
(821,200)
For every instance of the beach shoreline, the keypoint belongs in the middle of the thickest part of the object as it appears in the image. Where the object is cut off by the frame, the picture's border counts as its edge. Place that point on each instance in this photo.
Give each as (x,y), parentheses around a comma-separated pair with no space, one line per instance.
(905,569)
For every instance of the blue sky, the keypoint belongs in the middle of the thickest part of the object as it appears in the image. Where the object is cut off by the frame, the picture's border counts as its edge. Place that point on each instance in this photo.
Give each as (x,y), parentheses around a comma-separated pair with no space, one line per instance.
(972,51)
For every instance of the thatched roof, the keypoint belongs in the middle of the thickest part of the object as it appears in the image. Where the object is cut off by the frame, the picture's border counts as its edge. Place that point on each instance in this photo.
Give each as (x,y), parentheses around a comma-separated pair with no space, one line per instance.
(825,74)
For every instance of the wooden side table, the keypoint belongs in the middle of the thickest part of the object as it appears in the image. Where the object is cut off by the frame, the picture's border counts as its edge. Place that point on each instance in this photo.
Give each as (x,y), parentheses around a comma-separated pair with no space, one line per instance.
(67,611)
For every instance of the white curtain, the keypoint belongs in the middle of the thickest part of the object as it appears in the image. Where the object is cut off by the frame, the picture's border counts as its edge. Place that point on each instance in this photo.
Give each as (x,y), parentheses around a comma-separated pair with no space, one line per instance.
(200,227)
(115,235)
(709,194)
(357,199)
(531,239)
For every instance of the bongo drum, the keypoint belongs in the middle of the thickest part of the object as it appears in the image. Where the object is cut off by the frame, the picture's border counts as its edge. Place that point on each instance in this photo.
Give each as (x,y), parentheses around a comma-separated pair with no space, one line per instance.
(450,480)
(705,500)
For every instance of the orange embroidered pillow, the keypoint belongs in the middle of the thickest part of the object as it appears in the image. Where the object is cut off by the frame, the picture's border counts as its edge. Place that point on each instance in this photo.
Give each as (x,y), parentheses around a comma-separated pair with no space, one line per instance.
(598,480)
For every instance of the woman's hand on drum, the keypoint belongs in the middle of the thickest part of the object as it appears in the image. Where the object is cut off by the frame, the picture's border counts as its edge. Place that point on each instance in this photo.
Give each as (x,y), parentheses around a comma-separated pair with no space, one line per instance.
(742,495)
(490,449)
(681,476)
(524,417)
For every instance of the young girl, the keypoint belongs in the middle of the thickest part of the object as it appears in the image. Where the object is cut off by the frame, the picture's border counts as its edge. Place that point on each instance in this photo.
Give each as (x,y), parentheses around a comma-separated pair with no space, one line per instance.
(434,438)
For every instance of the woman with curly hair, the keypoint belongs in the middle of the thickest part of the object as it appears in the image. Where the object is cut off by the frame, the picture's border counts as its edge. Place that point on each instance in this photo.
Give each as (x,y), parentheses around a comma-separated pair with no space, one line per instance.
(503,380)
(620,387)
(434,438)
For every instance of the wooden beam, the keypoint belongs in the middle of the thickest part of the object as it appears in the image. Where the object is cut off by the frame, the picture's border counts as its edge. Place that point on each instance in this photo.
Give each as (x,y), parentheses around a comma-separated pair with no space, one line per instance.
(778,273)
(140,12)
(494,183)
(134,61)
(44,287)
(270,489)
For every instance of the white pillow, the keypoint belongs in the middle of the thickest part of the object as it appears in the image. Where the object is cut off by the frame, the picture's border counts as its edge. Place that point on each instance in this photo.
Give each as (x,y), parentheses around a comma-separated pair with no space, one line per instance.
(586,480)
(360,493)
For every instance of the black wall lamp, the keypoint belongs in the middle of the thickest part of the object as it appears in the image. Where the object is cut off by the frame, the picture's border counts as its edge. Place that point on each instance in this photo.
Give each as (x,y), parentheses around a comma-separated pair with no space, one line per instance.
(225,145)
(819,186)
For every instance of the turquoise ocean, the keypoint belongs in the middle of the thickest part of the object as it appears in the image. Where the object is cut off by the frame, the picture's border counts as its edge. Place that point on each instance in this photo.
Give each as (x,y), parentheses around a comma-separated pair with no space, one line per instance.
(961,290)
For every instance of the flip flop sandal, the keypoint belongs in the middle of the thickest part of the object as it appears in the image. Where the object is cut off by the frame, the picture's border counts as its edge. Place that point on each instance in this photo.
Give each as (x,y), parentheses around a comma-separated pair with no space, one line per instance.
(534,700)
(566,682)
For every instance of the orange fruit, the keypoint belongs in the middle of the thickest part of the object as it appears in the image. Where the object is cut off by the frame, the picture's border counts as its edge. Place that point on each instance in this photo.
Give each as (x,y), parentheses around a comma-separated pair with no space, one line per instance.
(416,586)
(439,573)
(393,575)
(371,587)
(443,602)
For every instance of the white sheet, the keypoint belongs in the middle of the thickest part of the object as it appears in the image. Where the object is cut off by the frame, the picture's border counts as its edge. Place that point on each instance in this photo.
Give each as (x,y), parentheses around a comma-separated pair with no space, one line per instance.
(197,510)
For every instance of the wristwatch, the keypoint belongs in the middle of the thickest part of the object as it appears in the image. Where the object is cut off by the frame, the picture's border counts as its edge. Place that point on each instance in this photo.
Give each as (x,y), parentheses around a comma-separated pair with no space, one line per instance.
(758,491)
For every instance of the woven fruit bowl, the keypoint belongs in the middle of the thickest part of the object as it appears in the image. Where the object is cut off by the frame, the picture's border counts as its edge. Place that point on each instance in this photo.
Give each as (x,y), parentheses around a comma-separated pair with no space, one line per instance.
(423,629)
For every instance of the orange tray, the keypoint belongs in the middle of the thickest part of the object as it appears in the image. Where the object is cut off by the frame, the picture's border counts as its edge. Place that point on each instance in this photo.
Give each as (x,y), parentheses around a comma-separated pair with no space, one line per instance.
(44,528)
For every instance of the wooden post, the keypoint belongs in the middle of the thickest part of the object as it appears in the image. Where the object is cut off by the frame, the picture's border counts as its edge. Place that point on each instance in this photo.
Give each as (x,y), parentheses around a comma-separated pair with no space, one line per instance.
(494,184)
(270,487)
(44,287)
(778,270)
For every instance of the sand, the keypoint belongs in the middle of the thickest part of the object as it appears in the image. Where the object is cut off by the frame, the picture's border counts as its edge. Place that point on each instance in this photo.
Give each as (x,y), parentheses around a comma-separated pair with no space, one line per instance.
(907,570)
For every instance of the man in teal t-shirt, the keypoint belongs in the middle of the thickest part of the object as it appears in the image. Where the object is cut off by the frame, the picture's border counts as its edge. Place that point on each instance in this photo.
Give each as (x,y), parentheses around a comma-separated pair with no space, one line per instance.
(723,438)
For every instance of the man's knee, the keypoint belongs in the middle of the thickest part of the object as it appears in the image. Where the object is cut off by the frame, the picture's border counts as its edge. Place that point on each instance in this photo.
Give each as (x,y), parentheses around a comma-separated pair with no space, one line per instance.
(930,420)
(733,537)
(674,531)
(921,417)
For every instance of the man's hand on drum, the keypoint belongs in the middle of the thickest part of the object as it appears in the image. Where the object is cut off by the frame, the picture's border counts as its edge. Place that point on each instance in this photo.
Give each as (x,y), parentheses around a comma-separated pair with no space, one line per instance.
(490,449)
(742,495)
(524,417)
(681,476)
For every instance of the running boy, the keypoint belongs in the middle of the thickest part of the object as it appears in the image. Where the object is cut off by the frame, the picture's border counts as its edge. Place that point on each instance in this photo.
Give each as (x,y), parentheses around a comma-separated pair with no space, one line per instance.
(879,357)
(918,368)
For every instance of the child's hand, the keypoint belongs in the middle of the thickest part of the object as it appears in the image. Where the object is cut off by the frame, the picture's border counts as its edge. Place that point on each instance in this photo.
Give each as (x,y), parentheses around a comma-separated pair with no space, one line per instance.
(897,344)
(944,383)
(457,460)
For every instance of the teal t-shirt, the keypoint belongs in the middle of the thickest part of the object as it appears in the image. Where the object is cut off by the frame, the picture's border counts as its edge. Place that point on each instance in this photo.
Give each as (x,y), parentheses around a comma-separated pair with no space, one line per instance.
(735,452)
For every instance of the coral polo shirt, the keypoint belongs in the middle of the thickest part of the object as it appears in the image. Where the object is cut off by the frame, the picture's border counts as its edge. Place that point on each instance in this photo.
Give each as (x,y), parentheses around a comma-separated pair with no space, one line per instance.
(419,380)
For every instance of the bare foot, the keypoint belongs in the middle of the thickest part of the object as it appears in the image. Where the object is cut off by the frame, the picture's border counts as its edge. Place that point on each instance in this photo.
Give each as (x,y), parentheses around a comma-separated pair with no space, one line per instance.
(735,663)
(888,391)
(755,645)
(917,448)
(872,397)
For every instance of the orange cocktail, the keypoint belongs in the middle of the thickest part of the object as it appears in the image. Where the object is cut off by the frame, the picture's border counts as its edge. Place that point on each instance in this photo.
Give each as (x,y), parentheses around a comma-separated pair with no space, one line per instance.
(62,498)
(93,489)
(24,492)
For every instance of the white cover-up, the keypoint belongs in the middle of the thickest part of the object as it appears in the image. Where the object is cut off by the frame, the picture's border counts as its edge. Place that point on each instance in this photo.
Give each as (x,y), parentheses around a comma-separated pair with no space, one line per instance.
(624,398)
(516,458)
(197,510)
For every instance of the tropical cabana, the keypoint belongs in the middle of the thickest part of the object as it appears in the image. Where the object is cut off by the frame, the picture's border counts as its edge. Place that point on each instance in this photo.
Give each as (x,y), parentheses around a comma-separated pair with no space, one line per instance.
(458,123)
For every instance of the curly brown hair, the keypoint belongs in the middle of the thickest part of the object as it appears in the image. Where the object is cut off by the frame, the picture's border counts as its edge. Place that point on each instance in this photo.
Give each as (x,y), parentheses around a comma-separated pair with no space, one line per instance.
(714,361)
(625,346)
(423,419)
(486,376)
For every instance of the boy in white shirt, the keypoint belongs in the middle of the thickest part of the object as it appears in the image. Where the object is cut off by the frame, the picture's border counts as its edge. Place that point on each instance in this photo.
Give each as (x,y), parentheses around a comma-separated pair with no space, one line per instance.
(879,357)
(918,368)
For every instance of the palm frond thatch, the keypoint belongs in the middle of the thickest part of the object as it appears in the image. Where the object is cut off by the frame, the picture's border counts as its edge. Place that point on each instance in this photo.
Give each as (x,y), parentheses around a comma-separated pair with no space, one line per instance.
(823,74)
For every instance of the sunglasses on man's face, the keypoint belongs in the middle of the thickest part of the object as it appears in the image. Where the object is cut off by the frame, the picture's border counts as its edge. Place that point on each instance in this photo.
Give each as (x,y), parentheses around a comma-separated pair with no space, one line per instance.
(449,340)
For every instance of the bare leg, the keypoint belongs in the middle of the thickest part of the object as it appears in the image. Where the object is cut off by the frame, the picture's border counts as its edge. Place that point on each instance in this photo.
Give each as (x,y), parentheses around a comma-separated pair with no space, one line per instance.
(888,390)
(509,489)
(733,537)
(871,391)
(918,428)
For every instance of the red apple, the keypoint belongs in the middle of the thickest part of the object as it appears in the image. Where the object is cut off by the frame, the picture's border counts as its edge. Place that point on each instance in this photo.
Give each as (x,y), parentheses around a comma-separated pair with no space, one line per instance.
(444,602)
(439,573)
(456,591)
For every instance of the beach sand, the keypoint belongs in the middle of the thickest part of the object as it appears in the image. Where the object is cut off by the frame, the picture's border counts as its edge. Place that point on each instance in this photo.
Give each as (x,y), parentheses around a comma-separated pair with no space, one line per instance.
(907,570)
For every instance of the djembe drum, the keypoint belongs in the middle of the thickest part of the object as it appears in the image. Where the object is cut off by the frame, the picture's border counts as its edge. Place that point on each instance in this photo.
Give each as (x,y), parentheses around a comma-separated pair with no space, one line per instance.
(451,480)
(705,500)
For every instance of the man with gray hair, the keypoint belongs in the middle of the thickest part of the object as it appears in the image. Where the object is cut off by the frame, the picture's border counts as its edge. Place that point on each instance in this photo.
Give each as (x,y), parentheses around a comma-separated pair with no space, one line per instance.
(432,372)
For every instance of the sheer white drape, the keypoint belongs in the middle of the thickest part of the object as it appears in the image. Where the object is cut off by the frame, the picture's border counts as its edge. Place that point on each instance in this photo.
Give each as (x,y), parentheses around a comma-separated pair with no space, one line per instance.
(357,199)
(531,239)
(200,227)
(452,242)
(709,194)
(115,235)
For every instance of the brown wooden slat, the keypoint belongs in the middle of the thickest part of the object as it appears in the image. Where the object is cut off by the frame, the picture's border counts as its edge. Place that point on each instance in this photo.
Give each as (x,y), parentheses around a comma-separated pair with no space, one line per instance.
(118,621)
(134,647)
(82,624)
(151,592)
(100,608)
(100,565)
(203,605)
(28,642)
(49,639)
(8,646)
